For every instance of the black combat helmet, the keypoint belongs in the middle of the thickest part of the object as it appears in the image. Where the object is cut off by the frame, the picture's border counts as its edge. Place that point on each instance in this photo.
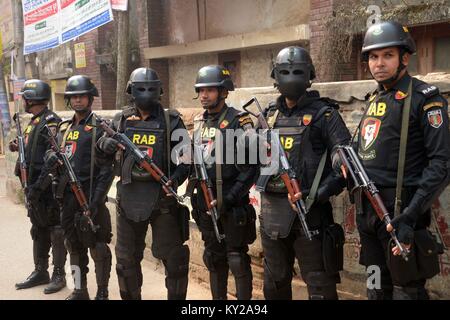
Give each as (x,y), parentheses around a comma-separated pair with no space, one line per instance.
(387,34)
(214,76)
(145,87)
(80,85)
(293,71)
(35,89)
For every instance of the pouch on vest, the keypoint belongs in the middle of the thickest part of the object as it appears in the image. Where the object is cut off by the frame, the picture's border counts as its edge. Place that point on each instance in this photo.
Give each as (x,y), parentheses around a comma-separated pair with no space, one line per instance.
(333,248)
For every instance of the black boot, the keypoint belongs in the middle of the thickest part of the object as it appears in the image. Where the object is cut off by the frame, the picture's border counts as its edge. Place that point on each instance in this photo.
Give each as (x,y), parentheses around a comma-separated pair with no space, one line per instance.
(177,288)
(218,280)
(79,294)
(38,277)
(58,281)
(102,293)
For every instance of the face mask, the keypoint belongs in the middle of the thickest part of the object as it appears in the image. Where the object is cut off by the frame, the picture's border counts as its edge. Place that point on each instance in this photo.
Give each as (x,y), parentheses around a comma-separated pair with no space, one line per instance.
(145,96)
(292,82)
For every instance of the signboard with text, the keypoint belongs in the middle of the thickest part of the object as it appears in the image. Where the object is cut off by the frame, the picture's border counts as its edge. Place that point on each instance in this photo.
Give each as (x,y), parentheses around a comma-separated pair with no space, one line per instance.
(49,23)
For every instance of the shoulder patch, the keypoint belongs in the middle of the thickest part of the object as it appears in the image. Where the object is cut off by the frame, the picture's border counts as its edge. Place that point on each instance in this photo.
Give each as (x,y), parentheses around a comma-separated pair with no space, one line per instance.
(245,119)
(52,124)
(435,118)
(427,90)
(433,104)
(64,125)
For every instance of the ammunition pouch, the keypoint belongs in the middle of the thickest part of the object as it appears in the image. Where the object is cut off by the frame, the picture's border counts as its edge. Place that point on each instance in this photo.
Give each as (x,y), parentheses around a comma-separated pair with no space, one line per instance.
(183,216)
(423,259)
(86,235)
(333,248)
(239,225)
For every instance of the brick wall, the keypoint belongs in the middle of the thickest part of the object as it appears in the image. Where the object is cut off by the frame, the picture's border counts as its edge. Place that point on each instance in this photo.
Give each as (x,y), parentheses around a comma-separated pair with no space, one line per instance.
(92,69)
(320,10)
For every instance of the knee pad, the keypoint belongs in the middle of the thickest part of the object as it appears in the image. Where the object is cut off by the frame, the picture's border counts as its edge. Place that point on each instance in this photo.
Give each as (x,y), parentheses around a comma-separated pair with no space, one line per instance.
(321,286)
(213,261)
(56,234)
(128,281)
(101,251)
(239,263)
(177,262)
(37,233)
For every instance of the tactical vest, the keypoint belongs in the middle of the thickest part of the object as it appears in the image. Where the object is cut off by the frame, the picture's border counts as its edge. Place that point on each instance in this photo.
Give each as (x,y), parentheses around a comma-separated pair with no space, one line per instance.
(292,132)
(150,137)
(277,217)
(77,145)
(36,142)
(222,175)
(208,135)
(137,192)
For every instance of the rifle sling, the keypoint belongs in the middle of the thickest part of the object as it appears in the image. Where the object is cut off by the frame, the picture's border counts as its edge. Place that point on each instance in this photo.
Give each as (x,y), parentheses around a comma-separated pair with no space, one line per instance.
(402,153)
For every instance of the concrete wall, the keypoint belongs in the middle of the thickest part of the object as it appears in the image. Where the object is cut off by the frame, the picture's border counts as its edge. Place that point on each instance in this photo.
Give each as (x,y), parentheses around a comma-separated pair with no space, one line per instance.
(350,96)
(183,72)
(192,20)
(255,67)
(53,63)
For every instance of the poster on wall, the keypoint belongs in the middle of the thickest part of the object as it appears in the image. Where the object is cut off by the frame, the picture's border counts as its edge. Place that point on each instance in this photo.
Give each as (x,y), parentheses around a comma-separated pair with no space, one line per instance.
(81,16)
(80,55)
(41,25)
(49,23)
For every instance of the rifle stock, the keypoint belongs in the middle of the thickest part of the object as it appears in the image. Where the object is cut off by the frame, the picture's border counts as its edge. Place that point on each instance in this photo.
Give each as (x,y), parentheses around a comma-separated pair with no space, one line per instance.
(206,187)
(75,184)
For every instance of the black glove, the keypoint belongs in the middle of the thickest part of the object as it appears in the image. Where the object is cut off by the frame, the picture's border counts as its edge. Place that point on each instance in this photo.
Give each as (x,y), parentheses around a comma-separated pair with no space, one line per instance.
(51,158)
(228,202)
(405,233)
(411,213)
(322,195)
(108,145)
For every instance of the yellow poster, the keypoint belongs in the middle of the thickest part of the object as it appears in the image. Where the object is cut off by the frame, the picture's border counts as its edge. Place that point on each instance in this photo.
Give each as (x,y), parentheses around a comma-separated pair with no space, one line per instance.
(80,55)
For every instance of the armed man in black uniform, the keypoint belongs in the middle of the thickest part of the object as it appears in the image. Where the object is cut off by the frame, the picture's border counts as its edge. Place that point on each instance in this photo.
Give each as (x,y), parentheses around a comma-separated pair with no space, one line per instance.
(78,137)
(310,128)
(387,48)
(230,186)
(140,199)
(44,214)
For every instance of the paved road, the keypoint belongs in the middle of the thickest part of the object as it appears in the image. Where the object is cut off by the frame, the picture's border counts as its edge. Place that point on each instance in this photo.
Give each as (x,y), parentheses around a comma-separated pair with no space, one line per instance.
(16,261)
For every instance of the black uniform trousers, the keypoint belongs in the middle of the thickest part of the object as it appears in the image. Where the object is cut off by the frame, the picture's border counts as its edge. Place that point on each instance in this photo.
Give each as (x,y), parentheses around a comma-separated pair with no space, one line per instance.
(167,244)
(280,253)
